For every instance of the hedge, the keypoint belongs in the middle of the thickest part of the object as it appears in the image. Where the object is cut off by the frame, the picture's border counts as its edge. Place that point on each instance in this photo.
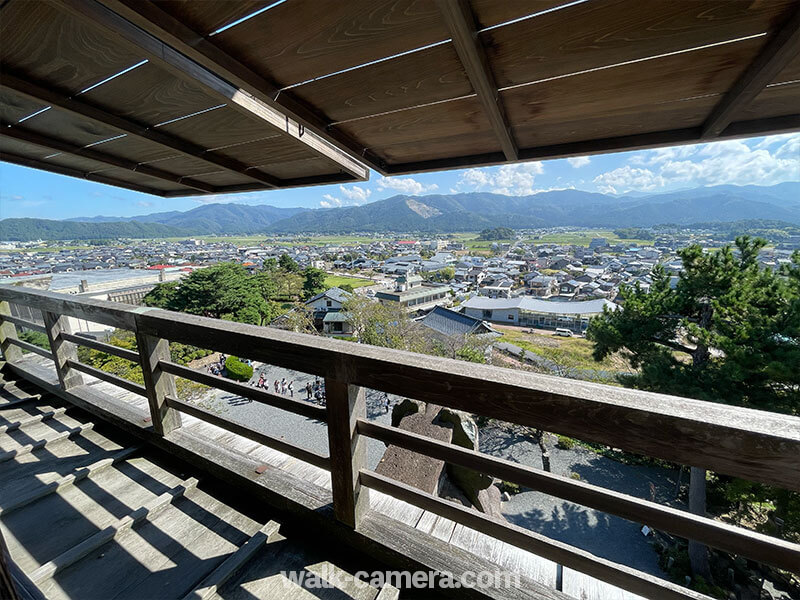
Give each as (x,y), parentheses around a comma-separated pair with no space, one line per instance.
(238,370)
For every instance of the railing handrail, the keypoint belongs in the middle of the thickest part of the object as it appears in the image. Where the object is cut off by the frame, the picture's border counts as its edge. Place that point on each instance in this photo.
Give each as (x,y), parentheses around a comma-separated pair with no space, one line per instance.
(752,444)
(742,442)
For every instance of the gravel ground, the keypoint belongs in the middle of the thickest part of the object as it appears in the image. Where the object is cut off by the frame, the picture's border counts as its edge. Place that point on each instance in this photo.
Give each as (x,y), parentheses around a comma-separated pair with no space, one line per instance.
(296,429)
(605,535)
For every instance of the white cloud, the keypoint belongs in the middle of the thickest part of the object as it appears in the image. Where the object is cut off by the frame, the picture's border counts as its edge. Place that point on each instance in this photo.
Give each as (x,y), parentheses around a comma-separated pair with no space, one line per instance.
(509,180)
(144,203)
(770,161)
(405,185)
(576,162)
(353,196)
(628,178)
(355,193)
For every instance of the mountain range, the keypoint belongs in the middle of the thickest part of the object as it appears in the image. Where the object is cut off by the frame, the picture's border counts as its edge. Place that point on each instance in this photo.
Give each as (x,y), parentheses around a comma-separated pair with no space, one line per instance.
(439,214)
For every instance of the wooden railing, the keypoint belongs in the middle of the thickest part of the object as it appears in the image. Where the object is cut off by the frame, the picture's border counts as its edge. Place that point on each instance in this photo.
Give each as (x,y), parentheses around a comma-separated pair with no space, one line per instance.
(755,445)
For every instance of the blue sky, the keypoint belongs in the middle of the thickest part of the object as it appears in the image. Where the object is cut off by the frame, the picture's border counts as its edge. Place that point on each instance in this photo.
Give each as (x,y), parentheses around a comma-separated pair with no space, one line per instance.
(762,161)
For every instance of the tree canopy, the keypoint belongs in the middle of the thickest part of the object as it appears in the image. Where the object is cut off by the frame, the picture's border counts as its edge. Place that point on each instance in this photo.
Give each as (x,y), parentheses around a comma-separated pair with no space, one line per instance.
(228,291)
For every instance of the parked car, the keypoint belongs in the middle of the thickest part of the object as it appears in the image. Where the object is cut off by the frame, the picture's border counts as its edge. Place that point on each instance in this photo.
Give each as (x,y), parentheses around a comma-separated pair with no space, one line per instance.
(563,332)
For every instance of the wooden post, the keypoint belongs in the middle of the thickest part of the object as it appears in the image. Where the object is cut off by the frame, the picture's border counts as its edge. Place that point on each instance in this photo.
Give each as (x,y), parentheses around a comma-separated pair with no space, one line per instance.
(8,331)
(348,450)
(158,383)
(62,350)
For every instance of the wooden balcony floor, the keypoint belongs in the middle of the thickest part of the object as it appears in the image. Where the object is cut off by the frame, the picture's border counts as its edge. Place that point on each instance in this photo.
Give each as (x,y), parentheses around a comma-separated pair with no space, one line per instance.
(311,487)
(91,514)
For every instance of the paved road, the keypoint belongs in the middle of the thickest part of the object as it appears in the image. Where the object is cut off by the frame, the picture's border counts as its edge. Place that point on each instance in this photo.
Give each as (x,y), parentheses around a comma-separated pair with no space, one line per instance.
(296,429)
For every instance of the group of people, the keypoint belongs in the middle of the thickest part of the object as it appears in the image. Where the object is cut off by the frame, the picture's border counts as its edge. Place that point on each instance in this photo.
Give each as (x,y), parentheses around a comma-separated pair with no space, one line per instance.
(281,386)
(316,391)
(217,368)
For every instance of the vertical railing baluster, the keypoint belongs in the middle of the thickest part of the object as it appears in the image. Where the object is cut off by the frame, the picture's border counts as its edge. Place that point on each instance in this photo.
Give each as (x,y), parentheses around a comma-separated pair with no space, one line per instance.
(8,331)
(159,384)
(63,351)
(348,450)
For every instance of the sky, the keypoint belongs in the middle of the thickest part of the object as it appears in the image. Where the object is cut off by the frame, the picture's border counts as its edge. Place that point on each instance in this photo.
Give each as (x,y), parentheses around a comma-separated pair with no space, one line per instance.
(769,160)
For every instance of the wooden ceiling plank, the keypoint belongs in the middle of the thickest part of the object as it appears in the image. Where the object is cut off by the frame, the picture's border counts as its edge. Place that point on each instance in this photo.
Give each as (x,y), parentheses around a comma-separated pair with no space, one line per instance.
(672,137)
(154,20)
(461,23)
(25,135)
(54,98)
(181,66)
(777,54)
(96,177)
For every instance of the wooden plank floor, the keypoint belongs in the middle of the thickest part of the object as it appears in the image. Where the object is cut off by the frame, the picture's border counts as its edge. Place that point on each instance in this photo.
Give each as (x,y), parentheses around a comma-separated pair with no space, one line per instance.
(502,554)
(93,516)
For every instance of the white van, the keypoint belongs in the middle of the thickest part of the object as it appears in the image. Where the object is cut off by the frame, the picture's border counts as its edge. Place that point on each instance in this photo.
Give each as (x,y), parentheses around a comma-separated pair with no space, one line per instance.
(563,332)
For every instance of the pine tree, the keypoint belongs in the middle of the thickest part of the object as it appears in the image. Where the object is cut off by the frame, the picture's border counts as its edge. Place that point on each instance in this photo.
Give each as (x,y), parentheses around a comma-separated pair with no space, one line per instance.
(726,331)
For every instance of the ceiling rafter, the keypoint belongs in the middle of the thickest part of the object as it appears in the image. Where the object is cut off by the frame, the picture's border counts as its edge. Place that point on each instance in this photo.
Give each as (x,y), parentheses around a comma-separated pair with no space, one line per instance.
(47,95)
(157,22)
(183,67)
(783,47)
(460,21)
(32,163)
(26,135)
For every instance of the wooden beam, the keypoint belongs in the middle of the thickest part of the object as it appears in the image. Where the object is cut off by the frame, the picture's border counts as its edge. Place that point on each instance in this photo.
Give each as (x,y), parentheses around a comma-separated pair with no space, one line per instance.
(736,540)
(31,348)
(8,333)
(298,407)
(39,444)
(104,536)
(460,21)
(207,588)
(625,143)
(782,48)
(44,165)
(616,574)
(63,351)
(160,24)
(309,456)
(57,99)
(108,377)
(22,322)
(348,449)
(26,135)
(161,54)
(58,485)
(101,346)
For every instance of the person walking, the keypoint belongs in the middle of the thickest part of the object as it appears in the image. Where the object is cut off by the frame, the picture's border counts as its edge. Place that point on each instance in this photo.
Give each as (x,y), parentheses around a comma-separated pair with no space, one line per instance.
(309,391)
(290,387)
(260,383)
(277,386)
(283,386)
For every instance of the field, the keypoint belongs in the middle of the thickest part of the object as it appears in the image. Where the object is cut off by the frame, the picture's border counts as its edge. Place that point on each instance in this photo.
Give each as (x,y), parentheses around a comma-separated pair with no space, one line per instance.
(255,240)
(583,238)
(340,280)
(572,352)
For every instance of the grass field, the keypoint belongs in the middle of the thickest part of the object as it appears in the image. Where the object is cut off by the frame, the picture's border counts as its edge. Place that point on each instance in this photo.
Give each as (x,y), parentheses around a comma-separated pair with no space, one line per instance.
(572,352)
(583,238)
(340,280)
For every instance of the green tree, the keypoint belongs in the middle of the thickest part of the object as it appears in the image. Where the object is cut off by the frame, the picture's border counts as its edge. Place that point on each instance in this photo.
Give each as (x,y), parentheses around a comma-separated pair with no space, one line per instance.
(162,295)
(313,282)
(726,332)
(287,263)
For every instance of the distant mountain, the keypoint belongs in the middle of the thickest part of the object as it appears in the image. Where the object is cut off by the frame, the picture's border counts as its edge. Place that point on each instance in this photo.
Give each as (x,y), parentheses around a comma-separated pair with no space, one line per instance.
(211,218)
(26,230)
(475,211)
(442,214)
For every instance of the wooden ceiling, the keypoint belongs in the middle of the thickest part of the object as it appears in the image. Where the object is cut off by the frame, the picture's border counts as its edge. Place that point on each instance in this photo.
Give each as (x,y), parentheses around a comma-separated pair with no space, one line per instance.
(300,92)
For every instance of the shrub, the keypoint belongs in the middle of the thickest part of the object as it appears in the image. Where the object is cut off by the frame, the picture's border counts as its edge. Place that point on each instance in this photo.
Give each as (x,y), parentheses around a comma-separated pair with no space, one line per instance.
(238,370)
(510,487)
(565,443)
(37,338)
